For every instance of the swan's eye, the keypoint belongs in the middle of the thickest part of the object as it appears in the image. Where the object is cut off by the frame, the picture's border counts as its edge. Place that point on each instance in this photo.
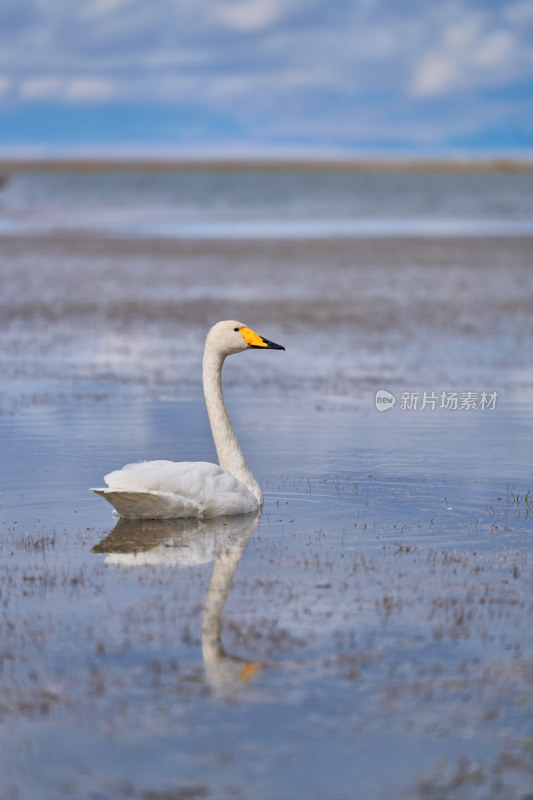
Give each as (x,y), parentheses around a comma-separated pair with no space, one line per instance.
(235,329)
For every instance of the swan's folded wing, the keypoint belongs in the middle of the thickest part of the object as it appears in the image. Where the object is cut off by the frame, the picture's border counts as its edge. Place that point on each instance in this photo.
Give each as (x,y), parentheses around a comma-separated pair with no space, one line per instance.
(144,504)
(168,489)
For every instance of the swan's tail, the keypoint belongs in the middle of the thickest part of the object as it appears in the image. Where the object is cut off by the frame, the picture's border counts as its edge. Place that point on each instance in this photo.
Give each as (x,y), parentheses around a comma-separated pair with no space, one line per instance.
(146,504)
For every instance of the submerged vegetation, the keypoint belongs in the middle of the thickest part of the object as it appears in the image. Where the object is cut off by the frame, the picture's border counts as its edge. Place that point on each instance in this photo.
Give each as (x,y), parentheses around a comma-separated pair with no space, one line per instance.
(424,638)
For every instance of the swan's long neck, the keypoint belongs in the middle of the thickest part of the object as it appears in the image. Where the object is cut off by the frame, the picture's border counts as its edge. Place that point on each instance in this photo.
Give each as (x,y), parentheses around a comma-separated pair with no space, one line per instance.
(230,455)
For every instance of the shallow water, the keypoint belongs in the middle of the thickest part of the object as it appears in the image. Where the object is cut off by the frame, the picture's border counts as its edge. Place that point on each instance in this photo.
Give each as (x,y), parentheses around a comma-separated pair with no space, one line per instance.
(380,609)
(244,203)
(369,635)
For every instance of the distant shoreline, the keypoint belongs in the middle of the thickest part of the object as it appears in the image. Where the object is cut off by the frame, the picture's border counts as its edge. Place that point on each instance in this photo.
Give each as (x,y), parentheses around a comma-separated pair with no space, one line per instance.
(11,165)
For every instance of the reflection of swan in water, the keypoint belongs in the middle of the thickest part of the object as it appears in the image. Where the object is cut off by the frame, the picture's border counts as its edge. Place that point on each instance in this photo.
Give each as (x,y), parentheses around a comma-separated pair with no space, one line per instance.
(191,542)
(169,489)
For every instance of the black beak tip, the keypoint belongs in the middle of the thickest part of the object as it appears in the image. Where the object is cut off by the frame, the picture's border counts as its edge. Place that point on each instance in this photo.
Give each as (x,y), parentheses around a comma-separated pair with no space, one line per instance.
(272,345)
(267,345)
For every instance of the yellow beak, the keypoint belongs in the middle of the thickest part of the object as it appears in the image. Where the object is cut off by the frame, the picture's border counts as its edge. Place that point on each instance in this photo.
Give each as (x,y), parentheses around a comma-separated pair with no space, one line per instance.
(253,339)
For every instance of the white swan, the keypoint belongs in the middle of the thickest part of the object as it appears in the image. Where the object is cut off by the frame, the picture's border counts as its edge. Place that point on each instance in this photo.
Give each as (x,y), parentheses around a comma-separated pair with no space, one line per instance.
(169,490)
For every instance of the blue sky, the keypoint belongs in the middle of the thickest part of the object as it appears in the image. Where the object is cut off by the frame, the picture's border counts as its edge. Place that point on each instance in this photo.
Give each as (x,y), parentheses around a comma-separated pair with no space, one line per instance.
(267,75)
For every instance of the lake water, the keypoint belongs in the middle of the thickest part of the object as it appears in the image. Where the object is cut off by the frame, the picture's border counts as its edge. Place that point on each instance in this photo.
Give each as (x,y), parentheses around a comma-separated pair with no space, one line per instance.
(368,636)
(246,203)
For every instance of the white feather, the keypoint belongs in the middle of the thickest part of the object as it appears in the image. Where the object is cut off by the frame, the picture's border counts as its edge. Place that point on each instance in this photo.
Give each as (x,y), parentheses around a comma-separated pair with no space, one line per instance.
(169,489)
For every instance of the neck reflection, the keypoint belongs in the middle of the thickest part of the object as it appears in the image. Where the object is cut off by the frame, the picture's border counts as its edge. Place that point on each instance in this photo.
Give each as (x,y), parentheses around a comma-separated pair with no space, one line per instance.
(185,543)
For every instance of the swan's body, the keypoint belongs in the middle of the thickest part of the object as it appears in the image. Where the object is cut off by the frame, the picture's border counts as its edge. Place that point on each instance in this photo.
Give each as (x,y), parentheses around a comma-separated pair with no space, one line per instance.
(168,489)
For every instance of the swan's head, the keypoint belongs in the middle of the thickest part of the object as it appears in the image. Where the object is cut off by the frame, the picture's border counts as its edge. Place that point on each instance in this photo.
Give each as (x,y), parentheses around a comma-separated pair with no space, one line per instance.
(231,336)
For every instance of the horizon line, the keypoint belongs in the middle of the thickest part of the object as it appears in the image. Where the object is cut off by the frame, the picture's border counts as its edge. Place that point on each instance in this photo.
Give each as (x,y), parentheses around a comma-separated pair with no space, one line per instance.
(101,158)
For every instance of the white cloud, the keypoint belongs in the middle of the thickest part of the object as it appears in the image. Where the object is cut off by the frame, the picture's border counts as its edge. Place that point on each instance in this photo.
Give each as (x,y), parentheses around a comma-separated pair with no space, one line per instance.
(90,90)
(475,53)
(39,89)
(519,13)
(247,15)
(495,51)
(55,88)
(436,74)
(97,8)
